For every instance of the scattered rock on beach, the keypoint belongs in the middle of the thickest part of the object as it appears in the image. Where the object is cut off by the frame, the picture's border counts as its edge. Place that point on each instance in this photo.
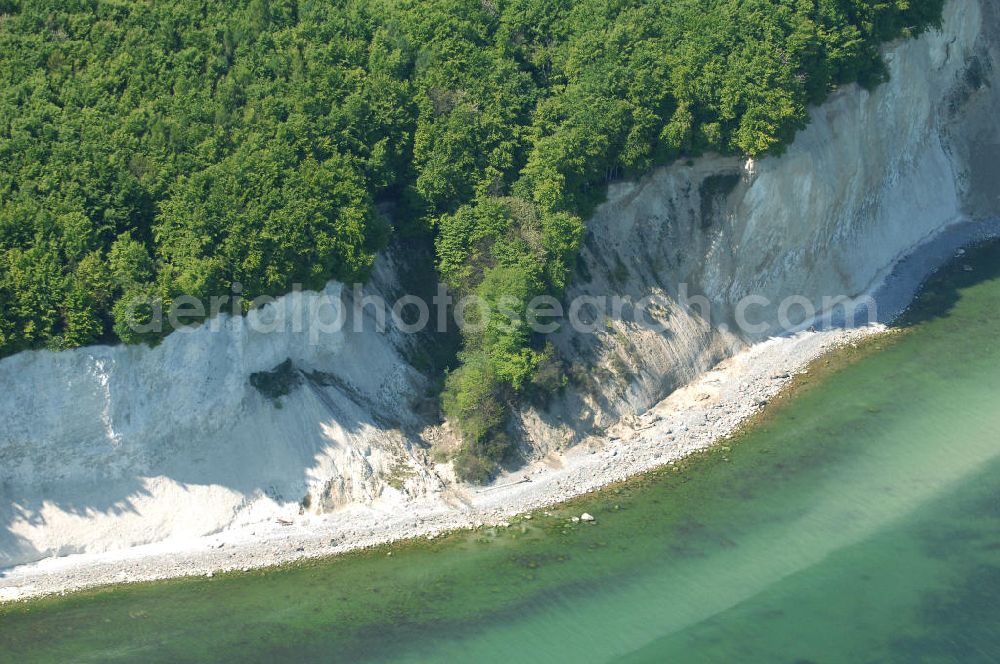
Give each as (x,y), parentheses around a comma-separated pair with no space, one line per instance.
(686,430)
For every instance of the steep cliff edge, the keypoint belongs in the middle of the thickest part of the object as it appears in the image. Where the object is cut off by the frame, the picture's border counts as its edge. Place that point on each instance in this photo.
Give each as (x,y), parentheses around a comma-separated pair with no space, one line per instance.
(105,448)
(872,176)
(239,420)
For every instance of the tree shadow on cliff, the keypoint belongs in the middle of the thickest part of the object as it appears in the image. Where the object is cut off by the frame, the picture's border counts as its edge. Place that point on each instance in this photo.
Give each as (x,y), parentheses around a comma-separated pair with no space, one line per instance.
(272,451)
(28,510)
(293,428)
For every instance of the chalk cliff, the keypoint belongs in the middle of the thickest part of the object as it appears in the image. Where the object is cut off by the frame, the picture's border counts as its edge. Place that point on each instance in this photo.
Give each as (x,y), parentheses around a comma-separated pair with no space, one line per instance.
(103,448)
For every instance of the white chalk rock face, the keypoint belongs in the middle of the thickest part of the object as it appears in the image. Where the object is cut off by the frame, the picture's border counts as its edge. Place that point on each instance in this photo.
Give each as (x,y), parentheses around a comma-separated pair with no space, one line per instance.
(106,448)
(874,175)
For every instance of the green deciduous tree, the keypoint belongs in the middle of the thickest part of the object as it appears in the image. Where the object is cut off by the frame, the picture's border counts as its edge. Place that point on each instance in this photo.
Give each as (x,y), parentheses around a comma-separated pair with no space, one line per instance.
(150,149)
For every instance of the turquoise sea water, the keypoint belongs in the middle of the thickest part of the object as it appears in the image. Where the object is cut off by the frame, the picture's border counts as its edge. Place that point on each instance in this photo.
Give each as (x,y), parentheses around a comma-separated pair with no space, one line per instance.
(858,521)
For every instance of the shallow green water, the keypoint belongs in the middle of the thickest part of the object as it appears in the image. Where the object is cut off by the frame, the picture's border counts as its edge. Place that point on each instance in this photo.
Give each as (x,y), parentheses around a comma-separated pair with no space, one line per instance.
(860,521)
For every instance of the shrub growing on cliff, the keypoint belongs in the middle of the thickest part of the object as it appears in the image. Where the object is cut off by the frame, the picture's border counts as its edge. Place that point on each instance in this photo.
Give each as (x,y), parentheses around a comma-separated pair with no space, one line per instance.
(190,145)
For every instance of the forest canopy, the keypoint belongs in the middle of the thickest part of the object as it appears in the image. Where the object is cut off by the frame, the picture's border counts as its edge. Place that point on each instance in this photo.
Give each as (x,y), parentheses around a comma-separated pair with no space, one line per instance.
(152,148)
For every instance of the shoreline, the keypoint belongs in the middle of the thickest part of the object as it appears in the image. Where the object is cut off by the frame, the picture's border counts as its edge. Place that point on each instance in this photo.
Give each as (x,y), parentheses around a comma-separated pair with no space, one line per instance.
(705,412)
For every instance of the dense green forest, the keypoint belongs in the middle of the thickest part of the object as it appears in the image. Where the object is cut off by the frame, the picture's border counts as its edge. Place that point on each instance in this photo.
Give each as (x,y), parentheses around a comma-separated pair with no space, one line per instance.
(150,148)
